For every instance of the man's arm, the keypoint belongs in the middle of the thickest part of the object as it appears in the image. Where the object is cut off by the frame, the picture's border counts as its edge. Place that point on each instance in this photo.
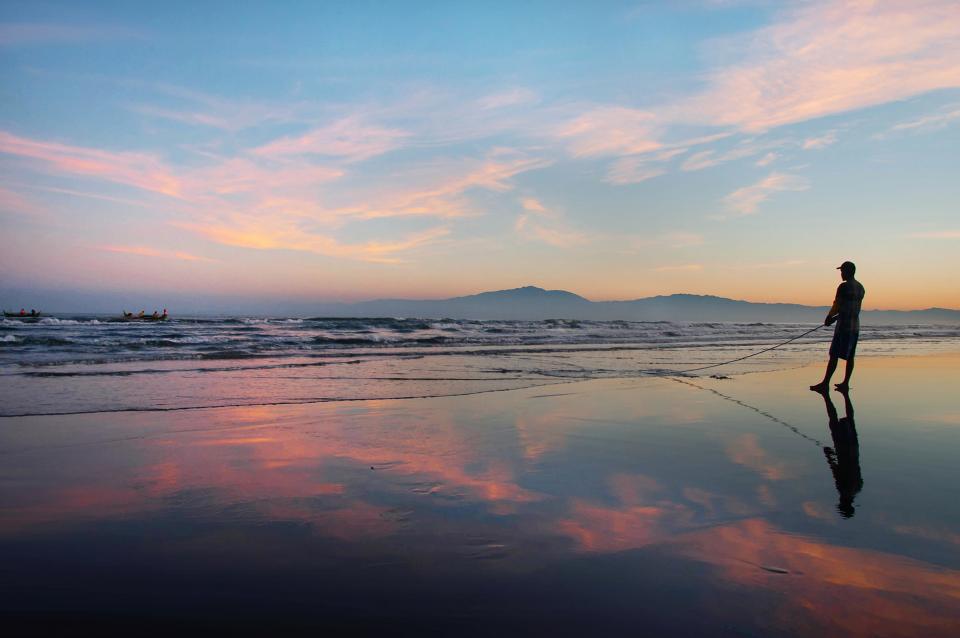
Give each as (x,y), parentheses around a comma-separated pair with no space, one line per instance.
(835,308)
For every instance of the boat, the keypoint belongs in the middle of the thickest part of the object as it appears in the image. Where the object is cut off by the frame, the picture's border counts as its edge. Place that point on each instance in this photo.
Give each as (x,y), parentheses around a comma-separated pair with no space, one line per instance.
(129,316)
(35,314)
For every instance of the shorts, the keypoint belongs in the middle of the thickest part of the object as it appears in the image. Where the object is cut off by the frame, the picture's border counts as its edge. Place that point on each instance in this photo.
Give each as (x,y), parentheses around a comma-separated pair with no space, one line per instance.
(844,344)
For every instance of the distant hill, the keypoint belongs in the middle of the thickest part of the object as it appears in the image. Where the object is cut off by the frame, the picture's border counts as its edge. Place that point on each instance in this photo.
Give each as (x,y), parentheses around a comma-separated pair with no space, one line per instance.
(532,303)
(529,302)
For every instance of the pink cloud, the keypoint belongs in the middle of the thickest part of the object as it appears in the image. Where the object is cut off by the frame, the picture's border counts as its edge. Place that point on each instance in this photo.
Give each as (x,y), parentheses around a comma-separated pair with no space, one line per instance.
(632,170)
(823,58)
(349,138)
(746,200)
(145,251)
(610,130)
(285,234)
(821,142)
(554,233)
(134,169)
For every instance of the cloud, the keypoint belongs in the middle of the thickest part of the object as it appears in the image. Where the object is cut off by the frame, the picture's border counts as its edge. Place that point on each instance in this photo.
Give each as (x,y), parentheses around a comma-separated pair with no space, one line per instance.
(547,226)
(632,170)
(930,122)
(821,142)
(134,169)
(823,58)
(746,200)
(533,204)
(285,234)
(767,159)
(145,251)
(349,138)
(610,130)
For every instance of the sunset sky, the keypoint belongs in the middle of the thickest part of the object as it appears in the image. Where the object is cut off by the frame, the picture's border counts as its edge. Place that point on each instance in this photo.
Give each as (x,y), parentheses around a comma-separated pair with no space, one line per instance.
(353,150)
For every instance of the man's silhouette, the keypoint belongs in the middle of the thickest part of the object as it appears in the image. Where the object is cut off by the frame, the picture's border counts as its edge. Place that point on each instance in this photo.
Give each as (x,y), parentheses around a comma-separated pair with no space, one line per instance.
(846,312)
(844,457)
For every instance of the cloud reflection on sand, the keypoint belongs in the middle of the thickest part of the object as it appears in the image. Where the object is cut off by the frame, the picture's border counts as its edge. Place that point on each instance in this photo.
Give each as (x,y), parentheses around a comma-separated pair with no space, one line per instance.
(523,482)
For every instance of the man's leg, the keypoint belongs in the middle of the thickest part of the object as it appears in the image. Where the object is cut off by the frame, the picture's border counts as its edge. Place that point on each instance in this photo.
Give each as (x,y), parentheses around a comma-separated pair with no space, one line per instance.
(845,385)
(823,385)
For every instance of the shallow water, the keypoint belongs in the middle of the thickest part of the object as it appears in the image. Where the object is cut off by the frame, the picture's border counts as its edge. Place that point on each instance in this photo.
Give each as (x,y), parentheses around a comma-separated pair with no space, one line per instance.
(63,365)
(680,506)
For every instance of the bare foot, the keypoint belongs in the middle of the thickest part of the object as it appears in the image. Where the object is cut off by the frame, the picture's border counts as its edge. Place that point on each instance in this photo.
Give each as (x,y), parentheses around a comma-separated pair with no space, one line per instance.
(842,387)
(820,387)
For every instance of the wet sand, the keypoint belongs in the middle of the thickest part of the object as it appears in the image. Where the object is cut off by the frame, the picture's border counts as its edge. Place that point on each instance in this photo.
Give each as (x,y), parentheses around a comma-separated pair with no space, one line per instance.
(680,506)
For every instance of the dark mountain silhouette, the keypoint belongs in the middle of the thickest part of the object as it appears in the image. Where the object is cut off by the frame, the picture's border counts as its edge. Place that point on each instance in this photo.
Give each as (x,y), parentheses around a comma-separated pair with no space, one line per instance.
(531,303)
(528,302)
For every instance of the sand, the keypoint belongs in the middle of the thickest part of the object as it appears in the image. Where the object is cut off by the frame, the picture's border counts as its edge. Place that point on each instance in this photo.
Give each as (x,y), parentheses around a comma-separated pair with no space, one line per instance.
(678,506)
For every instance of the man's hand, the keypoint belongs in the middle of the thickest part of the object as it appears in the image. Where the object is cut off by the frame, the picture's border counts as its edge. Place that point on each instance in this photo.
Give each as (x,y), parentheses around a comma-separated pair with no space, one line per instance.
(829,320)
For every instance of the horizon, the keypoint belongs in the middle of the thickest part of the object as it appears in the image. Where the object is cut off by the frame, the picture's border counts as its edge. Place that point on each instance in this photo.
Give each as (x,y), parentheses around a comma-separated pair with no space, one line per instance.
(103,305)
(304,154)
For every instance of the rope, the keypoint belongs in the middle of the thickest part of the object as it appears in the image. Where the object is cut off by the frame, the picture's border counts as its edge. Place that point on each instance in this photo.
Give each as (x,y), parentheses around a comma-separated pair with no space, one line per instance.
(717,365)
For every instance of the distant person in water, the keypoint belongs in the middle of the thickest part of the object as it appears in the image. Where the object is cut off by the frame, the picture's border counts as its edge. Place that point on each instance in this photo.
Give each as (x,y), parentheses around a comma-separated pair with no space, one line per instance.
(844,457)
(845,311)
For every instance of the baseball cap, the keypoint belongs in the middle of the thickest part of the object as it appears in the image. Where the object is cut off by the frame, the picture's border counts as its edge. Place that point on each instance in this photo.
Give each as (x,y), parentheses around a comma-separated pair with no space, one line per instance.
(847,265)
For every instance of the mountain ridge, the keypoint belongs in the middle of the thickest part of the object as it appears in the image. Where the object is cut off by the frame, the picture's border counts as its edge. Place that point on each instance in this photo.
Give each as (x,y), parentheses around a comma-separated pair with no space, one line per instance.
(534,303)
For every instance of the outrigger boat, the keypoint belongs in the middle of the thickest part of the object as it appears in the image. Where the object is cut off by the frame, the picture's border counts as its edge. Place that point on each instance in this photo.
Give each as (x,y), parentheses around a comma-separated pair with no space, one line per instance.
(23,315)
(129,316)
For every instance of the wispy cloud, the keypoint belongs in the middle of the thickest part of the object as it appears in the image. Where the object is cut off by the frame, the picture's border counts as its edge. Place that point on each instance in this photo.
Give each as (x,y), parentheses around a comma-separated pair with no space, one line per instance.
(542,224)
(146,251)
(828,57)
(931,122)
(534,205)
(141,170)
(349,138)
(610,130)
(632,170)
(820,142)
(746,200)
(767,159)
(271,235)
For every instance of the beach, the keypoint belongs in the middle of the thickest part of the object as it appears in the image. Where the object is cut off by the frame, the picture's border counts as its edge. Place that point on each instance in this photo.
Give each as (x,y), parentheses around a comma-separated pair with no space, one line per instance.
(680,505)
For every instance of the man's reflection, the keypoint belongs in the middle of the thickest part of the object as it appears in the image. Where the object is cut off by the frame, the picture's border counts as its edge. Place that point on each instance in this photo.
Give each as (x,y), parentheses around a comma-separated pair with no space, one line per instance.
(844,457)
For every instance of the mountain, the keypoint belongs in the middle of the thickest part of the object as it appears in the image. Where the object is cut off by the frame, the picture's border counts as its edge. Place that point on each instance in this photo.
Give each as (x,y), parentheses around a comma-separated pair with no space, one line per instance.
(532,303)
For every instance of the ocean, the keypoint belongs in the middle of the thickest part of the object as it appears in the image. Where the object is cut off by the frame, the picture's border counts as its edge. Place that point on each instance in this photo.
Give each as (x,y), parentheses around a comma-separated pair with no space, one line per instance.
(71,364)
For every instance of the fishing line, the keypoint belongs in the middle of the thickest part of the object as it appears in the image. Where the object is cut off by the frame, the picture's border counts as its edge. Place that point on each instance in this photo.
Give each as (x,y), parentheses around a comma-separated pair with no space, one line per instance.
(661,373)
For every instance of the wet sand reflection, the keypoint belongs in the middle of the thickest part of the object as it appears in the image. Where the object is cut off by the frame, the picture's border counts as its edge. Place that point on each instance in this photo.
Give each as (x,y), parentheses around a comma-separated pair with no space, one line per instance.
(524,490)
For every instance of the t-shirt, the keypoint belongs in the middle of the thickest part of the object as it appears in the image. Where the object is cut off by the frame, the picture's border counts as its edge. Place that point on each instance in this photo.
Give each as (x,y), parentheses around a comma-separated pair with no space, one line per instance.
(847,303)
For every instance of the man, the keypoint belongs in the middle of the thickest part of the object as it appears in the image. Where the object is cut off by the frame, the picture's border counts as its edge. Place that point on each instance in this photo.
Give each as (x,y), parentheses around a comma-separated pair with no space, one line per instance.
(846,312)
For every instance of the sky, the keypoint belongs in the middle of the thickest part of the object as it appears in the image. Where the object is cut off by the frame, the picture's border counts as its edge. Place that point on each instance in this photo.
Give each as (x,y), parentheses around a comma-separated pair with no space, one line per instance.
(342,151)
